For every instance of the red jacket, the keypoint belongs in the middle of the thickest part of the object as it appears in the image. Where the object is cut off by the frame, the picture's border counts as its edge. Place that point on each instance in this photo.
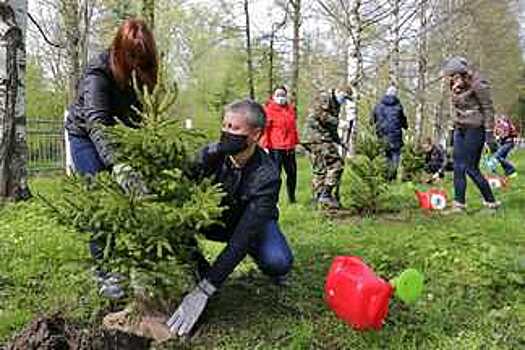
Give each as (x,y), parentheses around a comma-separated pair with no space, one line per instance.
(281,127)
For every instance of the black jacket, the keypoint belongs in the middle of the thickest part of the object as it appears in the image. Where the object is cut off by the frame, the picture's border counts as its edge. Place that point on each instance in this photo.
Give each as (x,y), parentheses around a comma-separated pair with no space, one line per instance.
(252,193)
(100,102)
(390,120)
(435,160)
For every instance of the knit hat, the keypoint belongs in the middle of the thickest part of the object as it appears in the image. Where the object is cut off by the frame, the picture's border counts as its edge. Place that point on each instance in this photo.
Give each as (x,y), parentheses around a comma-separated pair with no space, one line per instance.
(455,65)
(391,91)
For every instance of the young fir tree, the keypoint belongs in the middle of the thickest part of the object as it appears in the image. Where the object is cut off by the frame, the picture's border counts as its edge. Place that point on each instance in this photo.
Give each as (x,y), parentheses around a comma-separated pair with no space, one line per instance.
(367,172)
(149,238)
(412,160)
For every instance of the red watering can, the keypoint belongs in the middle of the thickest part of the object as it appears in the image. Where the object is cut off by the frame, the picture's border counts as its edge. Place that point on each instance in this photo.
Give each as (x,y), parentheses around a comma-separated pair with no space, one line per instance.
(497,182)
(361,298)
(433,199)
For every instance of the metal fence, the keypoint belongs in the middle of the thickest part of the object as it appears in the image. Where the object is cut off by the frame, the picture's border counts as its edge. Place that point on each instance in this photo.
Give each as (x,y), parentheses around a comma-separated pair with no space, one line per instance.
(45,139)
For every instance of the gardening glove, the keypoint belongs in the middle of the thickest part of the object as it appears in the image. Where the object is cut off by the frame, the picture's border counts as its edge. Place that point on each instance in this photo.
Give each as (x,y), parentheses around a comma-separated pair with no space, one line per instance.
(191,308)
(129,180)
(491,141)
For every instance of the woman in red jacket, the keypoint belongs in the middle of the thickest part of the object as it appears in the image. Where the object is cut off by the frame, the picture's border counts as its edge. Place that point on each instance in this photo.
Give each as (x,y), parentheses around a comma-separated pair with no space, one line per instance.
(280,136)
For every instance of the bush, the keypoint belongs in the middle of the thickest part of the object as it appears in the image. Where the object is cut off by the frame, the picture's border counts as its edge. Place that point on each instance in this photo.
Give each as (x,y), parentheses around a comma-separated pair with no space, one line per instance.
(367,173)
(412,160)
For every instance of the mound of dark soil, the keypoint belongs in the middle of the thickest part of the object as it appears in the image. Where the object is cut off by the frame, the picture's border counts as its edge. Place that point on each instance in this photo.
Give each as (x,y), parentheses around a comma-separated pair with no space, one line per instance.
(55,333)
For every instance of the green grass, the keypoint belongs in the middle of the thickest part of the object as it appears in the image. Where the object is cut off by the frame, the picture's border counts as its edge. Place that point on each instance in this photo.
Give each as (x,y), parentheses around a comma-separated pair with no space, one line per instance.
(474,267)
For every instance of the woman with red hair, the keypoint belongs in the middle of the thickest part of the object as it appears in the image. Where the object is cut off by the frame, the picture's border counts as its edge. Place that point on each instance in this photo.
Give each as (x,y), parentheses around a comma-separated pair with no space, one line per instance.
(105,97)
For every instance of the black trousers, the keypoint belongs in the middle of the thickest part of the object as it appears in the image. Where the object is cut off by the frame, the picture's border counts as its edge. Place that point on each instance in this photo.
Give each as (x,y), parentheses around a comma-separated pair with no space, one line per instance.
(286,159)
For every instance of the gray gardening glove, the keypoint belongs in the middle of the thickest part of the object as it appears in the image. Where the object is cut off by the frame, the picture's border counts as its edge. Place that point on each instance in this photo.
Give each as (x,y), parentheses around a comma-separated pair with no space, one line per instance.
(128,179)
(191,308)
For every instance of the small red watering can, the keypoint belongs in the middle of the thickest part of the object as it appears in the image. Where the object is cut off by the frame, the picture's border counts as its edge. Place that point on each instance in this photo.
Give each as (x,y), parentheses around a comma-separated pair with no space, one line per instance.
(360,298)
(433,199)
(497,182)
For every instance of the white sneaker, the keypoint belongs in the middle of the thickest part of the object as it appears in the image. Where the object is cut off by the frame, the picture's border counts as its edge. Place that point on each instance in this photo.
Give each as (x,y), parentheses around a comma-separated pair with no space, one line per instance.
(492,205)
(458,208)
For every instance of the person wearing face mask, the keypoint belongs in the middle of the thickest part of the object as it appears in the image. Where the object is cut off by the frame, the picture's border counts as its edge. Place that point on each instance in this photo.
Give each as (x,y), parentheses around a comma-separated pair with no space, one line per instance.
(390,120)
(473,125)
(322,141)
(105,96)
(280,137)
(249,223)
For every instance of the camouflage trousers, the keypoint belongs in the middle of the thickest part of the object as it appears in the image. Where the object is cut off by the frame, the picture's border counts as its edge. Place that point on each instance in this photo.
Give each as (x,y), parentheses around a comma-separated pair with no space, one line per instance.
(327,167)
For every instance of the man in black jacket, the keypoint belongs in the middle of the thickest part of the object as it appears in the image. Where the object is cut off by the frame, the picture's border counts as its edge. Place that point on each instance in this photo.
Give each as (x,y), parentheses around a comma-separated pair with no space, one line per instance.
(390,120)
(251,183)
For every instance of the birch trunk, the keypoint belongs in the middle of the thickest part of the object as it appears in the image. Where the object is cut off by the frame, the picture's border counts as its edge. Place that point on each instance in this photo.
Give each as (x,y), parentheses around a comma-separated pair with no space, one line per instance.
(355,77)
(296,19)
(441,120)
(13,145)
(422,71)
(393,72)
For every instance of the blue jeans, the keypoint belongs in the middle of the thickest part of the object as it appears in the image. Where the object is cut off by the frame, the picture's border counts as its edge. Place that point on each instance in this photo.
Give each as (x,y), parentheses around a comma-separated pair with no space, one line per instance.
(270,250)
(393,158)
(468,146)
(501,155)
(85,156)
(87,162)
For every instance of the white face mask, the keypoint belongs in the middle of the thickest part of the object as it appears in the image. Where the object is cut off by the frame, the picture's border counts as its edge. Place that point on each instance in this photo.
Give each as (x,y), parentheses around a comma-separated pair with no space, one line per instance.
(340,97)
(281,100)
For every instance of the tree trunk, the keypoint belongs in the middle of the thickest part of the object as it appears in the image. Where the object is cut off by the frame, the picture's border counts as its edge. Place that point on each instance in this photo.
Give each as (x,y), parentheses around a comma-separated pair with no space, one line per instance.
(70,11)
(148,12)
(270,72)
(393,72)
(249,60)
(422,52)
(13,145)
(355,76)
(441,122)
(296,47)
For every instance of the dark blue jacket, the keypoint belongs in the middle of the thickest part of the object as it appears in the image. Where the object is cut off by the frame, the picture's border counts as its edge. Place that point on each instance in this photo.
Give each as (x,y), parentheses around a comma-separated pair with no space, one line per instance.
(390,120)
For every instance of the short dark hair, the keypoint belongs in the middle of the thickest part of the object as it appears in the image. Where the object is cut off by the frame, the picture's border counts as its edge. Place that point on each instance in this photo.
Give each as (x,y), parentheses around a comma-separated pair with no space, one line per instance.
(252,110)
(281,87)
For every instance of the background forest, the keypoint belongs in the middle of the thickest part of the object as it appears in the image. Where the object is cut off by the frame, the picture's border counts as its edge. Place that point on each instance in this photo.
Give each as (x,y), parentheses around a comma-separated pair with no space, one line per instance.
(222,50)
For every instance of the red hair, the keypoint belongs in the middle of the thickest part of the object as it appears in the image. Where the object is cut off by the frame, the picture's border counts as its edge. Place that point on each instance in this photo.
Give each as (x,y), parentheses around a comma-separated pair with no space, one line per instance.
(134,49)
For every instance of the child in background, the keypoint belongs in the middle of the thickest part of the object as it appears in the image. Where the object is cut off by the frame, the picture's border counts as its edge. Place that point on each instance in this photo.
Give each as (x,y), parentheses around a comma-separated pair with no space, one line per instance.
(435,160)
(505,133)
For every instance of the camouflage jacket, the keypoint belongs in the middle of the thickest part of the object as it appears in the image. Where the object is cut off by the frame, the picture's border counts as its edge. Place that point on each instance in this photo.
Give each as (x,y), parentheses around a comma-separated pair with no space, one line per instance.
(473,108)
(322,119)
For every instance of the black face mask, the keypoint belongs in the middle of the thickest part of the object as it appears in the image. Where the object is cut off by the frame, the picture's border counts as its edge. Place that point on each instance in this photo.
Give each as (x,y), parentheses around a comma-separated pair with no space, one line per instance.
(233,143)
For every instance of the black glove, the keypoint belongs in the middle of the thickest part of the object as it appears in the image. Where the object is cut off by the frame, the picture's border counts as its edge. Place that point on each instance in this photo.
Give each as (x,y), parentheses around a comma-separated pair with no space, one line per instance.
(490,140)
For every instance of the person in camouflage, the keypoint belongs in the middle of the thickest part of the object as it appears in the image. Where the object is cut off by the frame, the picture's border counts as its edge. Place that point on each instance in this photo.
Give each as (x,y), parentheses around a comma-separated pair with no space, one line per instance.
(473,125)
(322,142)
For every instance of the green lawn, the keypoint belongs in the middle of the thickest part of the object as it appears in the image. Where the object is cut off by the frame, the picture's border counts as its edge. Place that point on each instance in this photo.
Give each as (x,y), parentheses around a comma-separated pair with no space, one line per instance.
(474,267)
